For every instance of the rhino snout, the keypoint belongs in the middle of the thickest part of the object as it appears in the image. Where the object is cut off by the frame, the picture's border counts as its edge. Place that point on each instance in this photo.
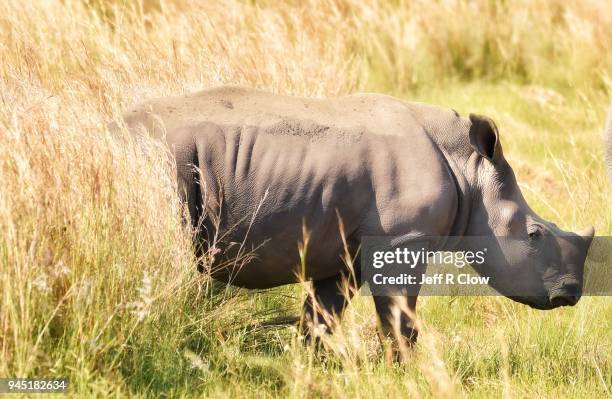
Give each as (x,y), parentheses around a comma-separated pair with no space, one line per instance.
(568,289)
(567,293)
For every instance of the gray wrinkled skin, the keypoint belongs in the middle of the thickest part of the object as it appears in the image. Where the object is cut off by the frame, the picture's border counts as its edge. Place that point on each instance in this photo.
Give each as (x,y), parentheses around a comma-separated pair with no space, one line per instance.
(256,169)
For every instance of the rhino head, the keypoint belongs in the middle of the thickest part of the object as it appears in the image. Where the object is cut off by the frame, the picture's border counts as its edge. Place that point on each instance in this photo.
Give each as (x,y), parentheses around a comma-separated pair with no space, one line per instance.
(529,259)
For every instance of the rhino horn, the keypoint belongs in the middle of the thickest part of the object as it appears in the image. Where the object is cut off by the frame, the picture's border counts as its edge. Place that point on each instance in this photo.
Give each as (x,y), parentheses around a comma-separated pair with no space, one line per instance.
(608,144)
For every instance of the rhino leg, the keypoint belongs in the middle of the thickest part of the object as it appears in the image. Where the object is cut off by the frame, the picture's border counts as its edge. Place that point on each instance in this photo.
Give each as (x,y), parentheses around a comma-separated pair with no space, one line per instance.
(397,326)
(190,192)
(396,310)
(323,309)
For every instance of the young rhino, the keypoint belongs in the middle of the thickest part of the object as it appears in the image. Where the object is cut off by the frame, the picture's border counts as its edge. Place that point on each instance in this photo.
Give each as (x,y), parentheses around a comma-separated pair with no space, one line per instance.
(257,170)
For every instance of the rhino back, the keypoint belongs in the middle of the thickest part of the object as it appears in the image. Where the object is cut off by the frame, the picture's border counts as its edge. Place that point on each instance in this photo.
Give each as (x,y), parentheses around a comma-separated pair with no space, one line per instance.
(242,107)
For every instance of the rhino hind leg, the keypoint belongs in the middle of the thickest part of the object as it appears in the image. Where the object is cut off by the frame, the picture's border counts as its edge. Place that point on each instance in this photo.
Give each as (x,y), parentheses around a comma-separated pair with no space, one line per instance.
(324,307)
(190,194)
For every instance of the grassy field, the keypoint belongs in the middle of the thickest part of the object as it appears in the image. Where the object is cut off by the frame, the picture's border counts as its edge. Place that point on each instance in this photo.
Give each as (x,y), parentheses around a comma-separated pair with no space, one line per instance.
(97,280)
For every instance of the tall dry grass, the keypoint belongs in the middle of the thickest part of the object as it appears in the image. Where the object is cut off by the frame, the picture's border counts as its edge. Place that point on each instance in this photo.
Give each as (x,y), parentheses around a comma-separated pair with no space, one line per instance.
(97,279)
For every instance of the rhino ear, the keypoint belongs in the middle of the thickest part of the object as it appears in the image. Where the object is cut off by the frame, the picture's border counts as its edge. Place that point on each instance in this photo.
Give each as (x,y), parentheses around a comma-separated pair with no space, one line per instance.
(484,137)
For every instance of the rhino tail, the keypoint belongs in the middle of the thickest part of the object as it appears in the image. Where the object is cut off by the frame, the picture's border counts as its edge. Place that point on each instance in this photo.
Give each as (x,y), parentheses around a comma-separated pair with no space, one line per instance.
(608,144)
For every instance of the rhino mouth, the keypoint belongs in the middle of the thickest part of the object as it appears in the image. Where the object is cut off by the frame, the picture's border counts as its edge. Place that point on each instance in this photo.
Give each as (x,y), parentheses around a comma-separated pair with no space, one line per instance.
(537,302)
(566,292)
(548,302)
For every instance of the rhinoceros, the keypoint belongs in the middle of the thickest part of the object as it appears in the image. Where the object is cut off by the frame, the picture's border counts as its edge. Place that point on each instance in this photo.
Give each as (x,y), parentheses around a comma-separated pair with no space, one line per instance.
(279,187)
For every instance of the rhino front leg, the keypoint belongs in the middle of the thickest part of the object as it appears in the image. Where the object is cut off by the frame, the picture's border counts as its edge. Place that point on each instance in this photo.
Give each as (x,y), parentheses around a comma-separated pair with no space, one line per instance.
(397,316)
(396,309)
(324,306)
